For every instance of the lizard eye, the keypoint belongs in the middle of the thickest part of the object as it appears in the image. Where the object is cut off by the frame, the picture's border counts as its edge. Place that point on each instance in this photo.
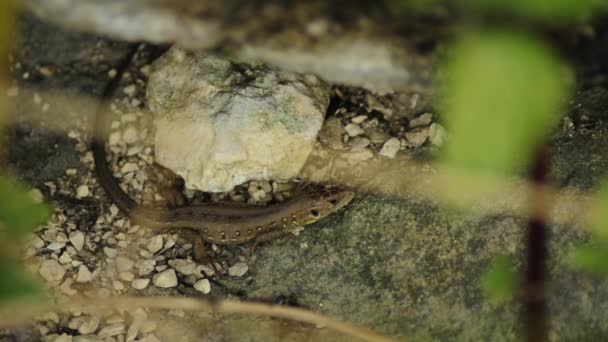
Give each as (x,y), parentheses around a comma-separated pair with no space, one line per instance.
(314,213)
(333,201)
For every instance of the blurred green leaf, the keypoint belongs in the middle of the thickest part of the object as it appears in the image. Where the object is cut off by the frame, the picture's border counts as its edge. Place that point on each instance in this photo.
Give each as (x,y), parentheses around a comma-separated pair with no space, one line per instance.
(554,10)
(15,284)
(499,281)
(597,216)
(19,214)
(503,93)
(593,259)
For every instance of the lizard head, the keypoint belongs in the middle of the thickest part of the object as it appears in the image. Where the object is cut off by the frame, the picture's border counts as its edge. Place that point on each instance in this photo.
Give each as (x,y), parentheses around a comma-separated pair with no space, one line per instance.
(322,202)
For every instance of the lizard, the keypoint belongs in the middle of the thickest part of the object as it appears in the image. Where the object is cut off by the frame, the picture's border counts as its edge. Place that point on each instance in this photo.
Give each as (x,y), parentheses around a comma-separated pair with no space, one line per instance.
(222,224)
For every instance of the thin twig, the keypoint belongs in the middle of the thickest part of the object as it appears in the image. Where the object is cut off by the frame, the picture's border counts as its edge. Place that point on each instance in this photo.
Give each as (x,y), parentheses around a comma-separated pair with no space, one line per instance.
(224,306)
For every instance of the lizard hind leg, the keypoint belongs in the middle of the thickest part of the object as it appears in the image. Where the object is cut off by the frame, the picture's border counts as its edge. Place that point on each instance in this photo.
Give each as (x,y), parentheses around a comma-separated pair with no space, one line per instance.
(198,246)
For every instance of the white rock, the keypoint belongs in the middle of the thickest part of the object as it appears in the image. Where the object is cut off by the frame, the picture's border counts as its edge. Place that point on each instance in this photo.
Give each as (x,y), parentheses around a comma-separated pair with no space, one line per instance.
(129,135)
(353,130)
(84,275)
(77,240)
(140,283)
(437,134)
(55,246)
(126,276)
(145,267)
(112,330)
(217,131)
(124,264)
(422,120)
(165,279)
(89,325)
(390,148)
(36,195)
(110,252)
(238,270)
(417,137)
(203,286)
(358,119)
(51,270)
(184,266)
(65,258)
(155,244)
(82,191)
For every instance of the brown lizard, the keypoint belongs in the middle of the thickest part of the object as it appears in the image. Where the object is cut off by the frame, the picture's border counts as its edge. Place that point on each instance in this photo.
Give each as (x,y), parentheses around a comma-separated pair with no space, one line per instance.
(221,224)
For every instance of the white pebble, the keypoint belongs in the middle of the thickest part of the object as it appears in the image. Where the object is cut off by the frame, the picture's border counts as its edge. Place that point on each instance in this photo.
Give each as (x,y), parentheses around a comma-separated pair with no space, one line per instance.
(51,270)
(140,283)
(36,195)
(437,134)
(89,325)
(238,270)
(358,119)
(83,191)
(390,148)
(155,244)
(126,276)
(422,120)
(112,330)
(417,137)
(165,279)
(55,246)
(353,130)
(84,275)
(110,252)
(129,167)
(124,264)
(203,286)
(77,240)
(130,135)
(184,266)
(114,138)
(145,267)
(65,258)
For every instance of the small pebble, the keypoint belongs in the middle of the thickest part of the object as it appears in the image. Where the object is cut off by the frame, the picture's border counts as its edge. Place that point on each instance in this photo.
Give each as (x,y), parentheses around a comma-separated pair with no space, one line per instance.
(437,134)
(84,275)
(422,120)
(184,266)
(55,246)
(65,258)
(82,191)
(112,330)
(353,130)
(390,148)
(145,267)
(417,137)
(89,325)
(126,276)
(358,119)
(155,244)
(124,264)
(77,240)
(238,270)
(203,286)
(165,279)
(129,135)
(110,252)
(51,270)
(140,283)
(36,195)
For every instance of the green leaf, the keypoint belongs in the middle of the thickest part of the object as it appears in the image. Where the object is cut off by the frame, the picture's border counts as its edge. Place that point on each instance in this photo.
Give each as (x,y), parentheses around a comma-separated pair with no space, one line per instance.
(592,259)
(498,283)
(554,10)
(19,214)
(503,94)
(597,216)
(16,284)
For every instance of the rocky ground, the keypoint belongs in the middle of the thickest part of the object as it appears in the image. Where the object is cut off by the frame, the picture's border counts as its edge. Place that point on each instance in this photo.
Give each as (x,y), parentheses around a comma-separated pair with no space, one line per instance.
(403,266)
